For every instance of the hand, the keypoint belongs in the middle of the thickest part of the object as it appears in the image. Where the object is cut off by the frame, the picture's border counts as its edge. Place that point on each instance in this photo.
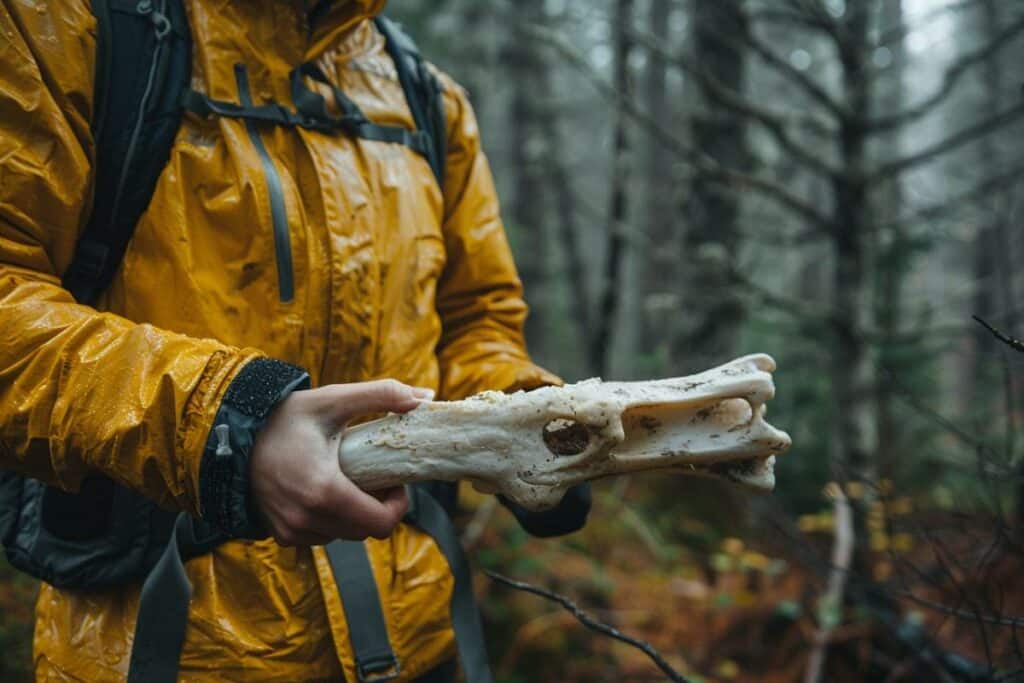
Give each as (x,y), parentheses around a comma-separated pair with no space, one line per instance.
(295,478)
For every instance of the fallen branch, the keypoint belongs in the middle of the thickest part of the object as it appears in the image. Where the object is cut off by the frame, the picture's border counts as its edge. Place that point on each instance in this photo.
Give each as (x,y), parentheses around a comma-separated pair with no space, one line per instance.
(831,605)
(592,623)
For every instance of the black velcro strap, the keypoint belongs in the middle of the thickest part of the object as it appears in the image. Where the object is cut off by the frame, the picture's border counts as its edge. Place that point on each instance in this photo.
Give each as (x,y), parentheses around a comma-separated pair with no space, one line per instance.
(374,659)
(163,613)
(428,515)
(224,499)
(261,384)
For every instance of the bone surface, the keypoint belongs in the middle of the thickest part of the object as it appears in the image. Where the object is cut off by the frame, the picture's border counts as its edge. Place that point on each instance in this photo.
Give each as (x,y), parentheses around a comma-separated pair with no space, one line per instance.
(532,446)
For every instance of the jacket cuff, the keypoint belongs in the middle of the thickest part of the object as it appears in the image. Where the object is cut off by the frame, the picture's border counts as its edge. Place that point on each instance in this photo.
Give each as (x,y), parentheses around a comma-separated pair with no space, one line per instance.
(224,500)
(568,516)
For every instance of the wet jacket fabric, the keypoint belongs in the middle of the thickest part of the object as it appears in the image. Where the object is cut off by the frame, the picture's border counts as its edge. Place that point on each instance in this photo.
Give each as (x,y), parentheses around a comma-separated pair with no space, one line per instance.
(392,278)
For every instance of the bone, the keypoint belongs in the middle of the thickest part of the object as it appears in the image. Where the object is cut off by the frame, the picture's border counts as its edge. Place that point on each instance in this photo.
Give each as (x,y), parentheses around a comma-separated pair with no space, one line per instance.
(532,446)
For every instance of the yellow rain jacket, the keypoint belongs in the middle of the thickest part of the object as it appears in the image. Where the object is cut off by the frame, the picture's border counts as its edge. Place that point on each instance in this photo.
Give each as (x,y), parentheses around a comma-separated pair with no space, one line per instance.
(391,279)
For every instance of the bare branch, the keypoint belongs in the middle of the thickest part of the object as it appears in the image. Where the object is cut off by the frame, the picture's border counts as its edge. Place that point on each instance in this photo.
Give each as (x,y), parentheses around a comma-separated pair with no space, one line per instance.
(798,308)
(962,613)
(980,191)
(920,20)
(985,453)
(592,623)
(950,78)
(1015,344)
(734,101)
(802,79)
(963,137)
(775,15)
(704,165)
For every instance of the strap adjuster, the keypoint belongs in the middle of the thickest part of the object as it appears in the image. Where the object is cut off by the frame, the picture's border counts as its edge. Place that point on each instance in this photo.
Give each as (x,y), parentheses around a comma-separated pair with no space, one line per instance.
(378,669)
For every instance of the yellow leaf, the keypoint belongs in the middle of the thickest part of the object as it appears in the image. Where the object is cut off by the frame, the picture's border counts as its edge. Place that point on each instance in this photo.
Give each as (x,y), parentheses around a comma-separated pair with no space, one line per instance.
(727,669)
(754,560)
(902,543)
(732,546)
(901,506)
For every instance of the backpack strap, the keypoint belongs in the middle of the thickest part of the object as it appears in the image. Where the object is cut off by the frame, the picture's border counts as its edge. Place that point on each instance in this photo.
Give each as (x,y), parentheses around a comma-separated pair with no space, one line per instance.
(427,514)
(143,62)
(163,605)
(422,89)
(164,601)
(375,660)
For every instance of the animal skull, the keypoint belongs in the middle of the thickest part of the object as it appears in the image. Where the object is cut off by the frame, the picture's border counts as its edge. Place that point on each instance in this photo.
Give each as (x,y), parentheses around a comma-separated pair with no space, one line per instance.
(532,446)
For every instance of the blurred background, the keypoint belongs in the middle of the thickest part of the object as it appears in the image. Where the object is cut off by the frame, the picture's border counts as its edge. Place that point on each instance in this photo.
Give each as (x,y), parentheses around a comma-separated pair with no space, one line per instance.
(838,184)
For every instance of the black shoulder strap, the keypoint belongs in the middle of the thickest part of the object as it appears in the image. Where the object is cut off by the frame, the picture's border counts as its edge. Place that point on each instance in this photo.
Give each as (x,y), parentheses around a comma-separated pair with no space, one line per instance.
(422,92)
(137,114)
(143,56)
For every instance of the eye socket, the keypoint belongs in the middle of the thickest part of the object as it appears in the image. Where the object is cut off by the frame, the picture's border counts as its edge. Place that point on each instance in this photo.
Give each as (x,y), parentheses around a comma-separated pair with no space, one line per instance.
(565,437)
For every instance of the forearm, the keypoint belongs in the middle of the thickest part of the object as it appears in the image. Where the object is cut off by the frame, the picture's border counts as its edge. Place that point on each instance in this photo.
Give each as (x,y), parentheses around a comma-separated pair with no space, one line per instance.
(88,392)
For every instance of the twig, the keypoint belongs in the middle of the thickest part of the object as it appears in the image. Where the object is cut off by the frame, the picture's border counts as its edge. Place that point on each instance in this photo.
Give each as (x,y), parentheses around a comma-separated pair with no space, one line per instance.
(707,168)
(832,600)
(961,613)
(591,623)
(950,78)
(1015,344)
(958,139)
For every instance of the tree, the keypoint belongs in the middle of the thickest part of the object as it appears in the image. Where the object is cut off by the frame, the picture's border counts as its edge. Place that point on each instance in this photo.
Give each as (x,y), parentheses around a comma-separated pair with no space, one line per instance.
(713,212)
(526,74)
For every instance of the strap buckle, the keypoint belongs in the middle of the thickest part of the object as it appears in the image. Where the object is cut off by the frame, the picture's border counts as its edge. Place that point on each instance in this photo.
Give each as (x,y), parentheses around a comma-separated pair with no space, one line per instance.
(379,669)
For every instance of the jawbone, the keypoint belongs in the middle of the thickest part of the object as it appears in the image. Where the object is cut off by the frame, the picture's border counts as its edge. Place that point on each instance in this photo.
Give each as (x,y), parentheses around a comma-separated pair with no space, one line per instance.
(532,446)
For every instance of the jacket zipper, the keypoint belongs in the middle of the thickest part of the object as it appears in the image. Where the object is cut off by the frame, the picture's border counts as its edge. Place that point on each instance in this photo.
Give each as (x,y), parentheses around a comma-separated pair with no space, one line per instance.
(278,212)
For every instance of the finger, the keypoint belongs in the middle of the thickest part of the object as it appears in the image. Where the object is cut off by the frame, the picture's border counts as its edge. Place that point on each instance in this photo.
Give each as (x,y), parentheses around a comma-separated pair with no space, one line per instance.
(349,512)
(343,402)
(394,498)
(301,539)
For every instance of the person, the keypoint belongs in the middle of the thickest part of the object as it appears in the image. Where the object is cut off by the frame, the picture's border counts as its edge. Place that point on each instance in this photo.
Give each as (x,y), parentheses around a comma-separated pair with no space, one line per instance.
(297,278)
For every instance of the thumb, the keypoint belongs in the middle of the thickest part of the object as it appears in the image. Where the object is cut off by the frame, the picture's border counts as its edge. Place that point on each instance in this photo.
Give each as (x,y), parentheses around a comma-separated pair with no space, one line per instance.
(344,402)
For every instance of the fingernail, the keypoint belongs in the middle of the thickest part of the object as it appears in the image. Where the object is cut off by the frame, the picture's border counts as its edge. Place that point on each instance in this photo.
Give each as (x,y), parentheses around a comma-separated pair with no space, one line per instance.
(423,393)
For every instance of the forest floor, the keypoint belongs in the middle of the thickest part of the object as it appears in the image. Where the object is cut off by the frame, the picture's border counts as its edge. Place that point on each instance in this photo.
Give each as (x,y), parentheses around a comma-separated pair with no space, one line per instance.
(717,608)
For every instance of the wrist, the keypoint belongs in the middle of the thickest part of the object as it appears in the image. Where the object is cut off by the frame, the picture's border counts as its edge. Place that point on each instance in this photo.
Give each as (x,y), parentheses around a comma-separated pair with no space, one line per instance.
(224,476)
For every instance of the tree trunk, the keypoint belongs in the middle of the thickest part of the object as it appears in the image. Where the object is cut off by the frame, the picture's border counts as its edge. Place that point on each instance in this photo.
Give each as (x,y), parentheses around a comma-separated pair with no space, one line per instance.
(711,308)
(894,252)
(524,66)
(661,235)
(608,305)
(854,423)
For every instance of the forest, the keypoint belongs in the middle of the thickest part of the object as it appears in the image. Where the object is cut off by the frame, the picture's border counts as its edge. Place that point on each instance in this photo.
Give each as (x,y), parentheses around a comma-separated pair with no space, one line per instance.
(836,183)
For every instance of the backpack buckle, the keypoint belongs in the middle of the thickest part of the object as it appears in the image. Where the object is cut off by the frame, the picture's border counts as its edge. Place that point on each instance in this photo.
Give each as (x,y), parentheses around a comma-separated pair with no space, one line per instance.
(378,669)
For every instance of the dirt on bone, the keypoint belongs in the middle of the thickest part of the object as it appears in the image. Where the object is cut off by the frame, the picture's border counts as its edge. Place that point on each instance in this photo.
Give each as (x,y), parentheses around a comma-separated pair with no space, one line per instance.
(566,437)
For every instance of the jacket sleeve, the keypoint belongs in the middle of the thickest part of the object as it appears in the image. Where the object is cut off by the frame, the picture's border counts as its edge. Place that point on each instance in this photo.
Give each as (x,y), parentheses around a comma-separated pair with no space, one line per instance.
(480,299)
(83,391)
(480,296)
